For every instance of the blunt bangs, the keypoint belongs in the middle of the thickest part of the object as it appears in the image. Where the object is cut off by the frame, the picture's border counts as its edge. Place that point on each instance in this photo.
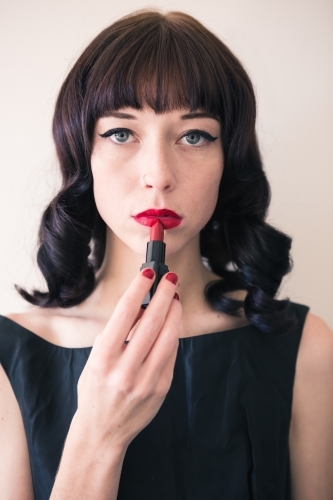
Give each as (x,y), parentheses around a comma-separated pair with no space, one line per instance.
(161,62)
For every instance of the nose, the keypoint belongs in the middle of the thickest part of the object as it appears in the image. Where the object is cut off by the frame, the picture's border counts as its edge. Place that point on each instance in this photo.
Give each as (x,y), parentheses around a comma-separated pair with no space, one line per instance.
(158,172)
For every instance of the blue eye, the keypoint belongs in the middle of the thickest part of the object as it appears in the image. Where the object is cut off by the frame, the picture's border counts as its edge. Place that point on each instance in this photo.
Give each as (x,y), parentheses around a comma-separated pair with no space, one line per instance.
(118,135)
(121,136)
(193,138)
(197,138)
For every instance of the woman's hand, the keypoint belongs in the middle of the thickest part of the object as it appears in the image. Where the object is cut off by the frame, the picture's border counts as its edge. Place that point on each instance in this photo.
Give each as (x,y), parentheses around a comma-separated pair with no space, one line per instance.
(120,389)
(123,384)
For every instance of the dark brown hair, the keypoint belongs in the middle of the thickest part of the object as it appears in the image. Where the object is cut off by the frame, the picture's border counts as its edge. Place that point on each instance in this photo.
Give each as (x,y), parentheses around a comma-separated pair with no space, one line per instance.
(166,61)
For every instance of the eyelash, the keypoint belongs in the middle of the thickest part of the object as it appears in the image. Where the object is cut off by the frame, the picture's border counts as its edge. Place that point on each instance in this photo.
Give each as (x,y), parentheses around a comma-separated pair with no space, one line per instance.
(202,133)
(112,131)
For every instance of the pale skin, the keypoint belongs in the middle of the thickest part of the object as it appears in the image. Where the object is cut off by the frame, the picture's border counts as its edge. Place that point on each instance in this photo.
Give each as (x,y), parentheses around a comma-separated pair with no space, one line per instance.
(123,386)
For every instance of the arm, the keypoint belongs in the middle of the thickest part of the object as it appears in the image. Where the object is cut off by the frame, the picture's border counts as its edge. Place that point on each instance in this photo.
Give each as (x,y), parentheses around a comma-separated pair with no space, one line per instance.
(15,476)
(88,470)
(120,391)
(311,430)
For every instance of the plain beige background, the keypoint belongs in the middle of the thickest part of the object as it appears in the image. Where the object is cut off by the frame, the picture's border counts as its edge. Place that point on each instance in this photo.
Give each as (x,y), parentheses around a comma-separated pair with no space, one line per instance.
(285,45)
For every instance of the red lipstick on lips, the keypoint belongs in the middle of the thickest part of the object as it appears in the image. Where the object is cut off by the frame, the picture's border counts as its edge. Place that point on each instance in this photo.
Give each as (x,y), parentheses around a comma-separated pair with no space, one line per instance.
(155,258)
(167,218)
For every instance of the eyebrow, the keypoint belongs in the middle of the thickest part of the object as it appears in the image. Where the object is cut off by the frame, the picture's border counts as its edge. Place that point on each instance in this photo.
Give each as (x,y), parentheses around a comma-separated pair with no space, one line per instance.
(190,116)
(118,114)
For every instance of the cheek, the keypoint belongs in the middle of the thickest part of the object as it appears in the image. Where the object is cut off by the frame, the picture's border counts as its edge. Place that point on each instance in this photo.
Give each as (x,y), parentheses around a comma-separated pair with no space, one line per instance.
(107,188)
(205,194)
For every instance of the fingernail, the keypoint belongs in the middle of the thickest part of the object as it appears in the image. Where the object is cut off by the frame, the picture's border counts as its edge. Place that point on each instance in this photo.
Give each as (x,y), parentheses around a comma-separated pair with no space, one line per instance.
(176,296)
(148,273)
(172,277)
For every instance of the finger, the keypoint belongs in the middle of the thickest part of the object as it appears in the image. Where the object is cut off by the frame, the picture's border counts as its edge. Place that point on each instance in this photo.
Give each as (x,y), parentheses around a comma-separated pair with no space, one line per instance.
(166,374)
(134,326)
(126,311)
(151,323)
(166,343)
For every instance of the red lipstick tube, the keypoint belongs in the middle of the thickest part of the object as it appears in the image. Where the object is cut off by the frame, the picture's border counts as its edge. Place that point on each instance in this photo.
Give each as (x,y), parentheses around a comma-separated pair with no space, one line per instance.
(155,258)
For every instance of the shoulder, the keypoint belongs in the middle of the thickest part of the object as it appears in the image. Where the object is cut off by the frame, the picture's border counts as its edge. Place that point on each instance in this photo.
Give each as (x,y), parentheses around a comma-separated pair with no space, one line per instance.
(315,354)
(314,367)
(311,433)
(35,320)
(63,327)
(16,326)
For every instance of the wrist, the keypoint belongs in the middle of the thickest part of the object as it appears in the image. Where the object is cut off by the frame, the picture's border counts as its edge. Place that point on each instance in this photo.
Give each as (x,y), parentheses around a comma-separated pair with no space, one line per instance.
(84,437)
(89,467)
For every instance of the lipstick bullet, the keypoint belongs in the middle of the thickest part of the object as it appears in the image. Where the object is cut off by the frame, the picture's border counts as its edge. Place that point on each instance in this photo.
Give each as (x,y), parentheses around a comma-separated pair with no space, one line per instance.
(155,258)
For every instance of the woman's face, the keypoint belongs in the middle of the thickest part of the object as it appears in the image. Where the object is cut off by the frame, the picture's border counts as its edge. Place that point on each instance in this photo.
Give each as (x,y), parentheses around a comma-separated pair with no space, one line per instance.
(142,160)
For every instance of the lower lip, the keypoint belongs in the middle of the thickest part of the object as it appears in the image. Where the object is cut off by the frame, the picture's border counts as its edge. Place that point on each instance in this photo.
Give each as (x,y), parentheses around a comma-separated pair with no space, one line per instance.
(167,222)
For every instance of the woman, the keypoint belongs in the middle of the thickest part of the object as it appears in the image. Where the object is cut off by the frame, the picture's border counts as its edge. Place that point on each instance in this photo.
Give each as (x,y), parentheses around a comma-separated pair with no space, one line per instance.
(188,399)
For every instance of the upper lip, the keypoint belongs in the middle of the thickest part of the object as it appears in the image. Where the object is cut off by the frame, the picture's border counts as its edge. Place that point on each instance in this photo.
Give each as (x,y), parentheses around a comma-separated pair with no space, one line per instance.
(162,212)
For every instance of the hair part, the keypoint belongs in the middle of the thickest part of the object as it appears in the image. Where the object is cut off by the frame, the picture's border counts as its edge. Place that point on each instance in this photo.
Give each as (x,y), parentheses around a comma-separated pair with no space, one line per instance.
(167,62)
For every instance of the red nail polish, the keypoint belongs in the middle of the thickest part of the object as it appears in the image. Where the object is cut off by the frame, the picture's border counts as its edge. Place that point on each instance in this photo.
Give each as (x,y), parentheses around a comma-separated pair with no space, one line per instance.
(176,296)
(148,273)
(172,277)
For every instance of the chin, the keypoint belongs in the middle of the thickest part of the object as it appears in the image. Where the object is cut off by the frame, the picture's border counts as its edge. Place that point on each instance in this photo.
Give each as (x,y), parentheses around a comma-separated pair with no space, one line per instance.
(136,238)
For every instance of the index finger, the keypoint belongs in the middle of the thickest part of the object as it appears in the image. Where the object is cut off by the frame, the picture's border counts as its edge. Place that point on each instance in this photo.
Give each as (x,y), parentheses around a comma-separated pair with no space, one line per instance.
(127,310)
(151,323)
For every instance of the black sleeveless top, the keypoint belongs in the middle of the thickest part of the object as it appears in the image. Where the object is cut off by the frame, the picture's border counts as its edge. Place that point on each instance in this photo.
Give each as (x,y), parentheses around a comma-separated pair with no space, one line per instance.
(221,433)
